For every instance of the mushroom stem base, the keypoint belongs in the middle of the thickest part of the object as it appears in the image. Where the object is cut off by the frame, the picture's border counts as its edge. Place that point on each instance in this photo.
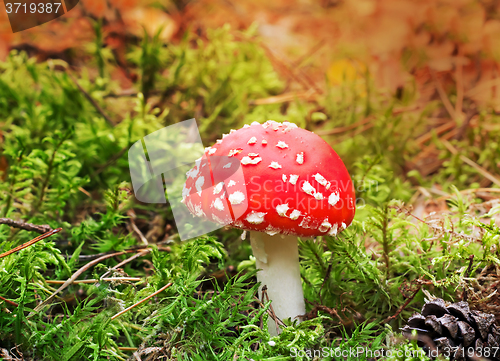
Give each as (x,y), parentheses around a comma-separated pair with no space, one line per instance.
(277,257)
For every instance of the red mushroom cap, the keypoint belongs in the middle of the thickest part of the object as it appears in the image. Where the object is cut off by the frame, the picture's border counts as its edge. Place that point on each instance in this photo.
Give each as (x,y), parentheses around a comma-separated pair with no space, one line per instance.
(294,182)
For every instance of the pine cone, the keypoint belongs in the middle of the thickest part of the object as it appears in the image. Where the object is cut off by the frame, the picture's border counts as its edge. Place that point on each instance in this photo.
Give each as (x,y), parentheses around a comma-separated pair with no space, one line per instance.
(455,331)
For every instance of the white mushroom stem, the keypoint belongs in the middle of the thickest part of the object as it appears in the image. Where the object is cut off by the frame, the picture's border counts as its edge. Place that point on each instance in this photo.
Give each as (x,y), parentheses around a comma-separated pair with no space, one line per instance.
(277,257)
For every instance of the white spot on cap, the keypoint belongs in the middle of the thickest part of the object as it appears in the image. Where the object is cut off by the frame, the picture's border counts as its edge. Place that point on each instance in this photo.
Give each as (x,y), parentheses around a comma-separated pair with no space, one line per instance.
(198,211)
(320,179)
(282,145)
(218,141)
(247,160)
(239,224)
(264,142)
(252,140)
(283,177)
(289,126)
(295,214)
(246,126)
(275,165)
(333,199)
(333,230)
(343,226)
(236,197)
(199,183)
(224,135)
(218,220)
(270,230)
(255,217)
(185,191)
(255,123)
(212,151)
(253,155)
(318,196)
(300,158)
(218,187)
(232,131)
(293,178)
(228,165)
(305,222)
(193,172)
(190,206)
(282,209)
(217,204)
(231,183)
(308,188)
(233,152)
(325,226)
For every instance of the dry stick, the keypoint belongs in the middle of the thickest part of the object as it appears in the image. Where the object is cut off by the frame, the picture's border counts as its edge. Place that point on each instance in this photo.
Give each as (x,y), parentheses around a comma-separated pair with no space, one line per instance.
(442,95)
(281,323)
(403,306)
(110,161)
(136,229)
(346,128)
(332,312)
(439,130)
(26,226)
(9,301)
(107,279)
(33,241)
(141,301)
(307,55)
(264,294)
(306,83)
(90,99)
(467,273)
(73,278)
(140,254)
(469,191)
(127,348)
(460,86)
(470,162)
(283,98)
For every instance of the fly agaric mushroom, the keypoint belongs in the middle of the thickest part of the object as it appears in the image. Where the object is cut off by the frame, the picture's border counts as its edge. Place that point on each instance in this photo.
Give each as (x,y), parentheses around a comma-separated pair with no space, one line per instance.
(294,185)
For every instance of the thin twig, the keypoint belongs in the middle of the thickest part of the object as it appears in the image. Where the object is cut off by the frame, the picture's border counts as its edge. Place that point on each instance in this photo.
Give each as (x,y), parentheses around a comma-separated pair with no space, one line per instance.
(125,261)
(284,98)
(141,301)
(271,314)
(127,348)
(136,229)
(26,226)
(73,278)
(467,274)
(346,128)
(9,301)
(307,55)
(33,241)
(403,306)
(470,162)
(90,99)
(110,161)
(443,96)
(107,279)
(331,311)
(264,294)
(460,85)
